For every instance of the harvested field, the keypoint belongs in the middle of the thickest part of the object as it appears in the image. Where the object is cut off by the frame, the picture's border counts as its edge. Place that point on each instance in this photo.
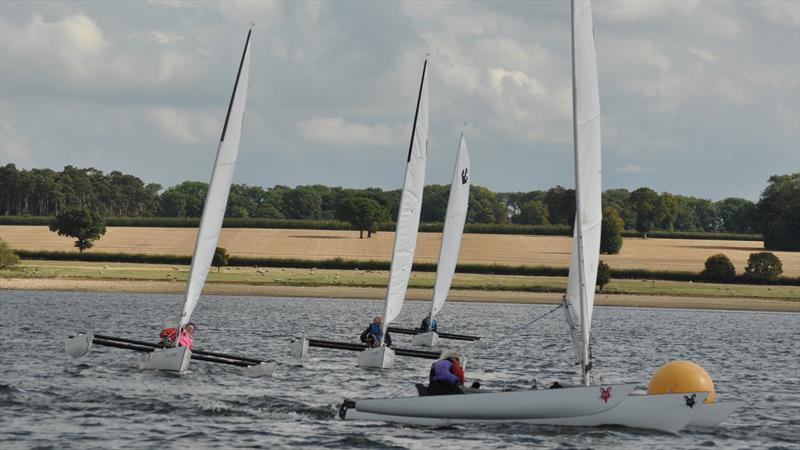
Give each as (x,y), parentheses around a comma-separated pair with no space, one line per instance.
(652,254)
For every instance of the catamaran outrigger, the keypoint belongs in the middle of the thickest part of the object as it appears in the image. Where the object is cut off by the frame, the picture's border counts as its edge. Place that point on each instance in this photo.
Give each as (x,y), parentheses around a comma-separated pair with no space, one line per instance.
(585,405)
(176,358)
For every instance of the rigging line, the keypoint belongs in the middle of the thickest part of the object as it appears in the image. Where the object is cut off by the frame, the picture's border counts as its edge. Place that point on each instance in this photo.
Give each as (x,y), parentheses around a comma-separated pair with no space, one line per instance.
(543,316)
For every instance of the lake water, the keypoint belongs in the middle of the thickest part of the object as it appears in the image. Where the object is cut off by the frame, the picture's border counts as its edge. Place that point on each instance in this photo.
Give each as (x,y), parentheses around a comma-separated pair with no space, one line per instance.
(49,400)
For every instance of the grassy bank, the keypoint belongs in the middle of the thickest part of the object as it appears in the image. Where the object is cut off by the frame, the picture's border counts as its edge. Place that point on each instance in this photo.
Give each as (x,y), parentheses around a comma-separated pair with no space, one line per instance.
(34,269)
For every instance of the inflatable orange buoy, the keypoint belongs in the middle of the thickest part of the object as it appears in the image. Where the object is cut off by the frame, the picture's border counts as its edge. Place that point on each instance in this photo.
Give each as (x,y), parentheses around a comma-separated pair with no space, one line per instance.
(677,377)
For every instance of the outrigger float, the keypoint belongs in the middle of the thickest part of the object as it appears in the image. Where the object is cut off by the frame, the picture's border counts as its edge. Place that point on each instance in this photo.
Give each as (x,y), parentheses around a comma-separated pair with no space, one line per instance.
(680,394)
(176,358)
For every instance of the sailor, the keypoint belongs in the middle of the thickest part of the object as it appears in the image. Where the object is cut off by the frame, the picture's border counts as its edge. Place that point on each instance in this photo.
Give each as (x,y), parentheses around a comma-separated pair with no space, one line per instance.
(428,325)
(372,335)
(446,376)
(167,336)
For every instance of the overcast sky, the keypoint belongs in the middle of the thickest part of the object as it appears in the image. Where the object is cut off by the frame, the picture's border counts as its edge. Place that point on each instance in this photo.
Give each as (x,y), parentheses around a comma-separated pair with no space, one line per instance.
(698,98)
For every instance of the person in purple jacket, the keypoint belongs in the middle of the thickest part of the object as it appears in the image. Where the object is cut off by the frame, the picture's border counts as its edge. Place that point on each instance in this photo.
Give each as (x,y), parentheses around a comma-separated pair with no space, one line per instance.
(446,375)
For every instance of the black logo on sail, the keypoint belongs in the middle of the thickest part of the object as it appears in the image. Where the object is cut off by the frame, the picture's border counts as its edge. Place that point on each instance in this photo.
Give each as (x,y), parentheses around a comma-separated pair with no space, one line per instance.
(464,176)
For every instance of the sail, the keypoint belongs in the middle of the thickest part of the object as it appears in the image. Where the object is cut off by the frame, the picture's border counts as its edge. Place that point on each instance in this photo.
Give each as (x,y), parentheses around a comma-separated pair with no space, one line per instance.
(454,220)
(588,215)
(405,240)
(218,188)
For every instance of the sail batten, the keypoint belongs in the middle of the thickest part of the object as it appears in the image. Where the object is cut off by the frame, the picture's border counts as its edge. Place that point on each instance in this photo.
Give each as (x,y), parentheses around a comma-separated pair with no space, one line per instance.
(408,216)
(218,189)
(456,215)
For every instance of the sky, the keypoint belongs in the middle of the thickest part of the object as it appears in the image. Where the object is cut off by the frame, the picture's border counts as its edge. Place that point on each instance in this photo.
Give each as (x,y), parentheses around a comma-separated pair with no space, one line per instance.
(698,98)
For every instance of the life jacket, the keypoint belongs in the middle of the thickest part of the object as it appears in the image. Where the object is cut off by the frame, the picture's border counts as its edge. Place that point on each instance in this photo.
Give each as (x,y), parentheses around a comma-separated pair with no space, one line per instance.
(375,331)
(167,336)
(447,371)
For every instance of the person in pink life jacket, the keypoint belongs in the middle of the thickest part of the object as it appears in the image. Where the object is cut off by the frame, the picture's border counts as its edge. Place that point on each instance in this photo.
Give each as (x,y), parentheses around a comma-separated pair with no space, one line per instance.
(167,336)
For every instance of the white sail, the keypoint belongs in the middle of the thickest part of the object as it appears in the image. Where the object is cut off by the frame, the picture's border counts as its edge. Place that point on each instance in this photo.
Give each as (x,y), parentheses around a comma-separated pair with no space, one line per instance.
(218,188)
(454,220)
(588,215)
(405,240)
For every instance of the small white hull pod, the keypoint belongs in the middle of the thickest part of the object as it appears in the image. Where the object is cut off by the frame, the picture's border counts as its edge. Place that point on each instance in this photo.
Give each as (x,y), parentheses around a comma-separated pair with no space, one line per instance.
(429,339)
(501,406)
(173,359)
(377,358)
(77,346)
(299,348)
(259,370)
(712,414)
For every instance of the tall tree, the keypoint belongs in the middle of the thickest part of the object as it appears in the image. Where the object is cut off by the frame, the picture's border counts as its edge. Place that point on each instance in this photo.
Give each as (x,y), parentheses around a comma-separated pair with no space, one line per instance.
(82,224)
(646,205)
(738,215)
(561,205)
(779,208)
(363,213)
(533,212)
(611,231)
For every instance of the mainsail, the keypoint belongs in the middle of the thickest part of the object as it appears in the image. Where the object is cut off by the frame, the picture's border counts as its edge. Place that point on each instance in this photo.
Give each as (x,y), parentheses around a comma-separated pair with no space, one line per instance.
(588,214)
(405,240)
(218,188)
(454,220)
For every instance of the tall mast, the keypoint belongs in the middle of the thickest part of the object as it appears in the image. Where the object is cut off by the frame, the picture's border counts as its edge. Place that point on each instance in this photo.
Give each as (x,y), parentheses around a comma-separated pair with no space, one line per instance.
(407,218)
(583,351)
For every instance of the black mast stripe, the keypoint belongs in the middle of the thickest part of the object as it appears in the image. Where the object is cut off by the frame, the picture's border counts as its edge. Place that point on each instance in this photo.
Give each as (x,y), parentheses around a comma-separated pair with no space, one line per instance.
(416,113)
(235,85)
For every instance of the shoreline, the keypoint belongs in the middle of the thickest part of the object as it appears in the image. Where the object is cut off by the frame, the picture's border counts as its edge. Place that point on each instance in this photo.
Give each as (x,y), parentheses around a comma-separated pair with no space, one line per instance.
(414,294)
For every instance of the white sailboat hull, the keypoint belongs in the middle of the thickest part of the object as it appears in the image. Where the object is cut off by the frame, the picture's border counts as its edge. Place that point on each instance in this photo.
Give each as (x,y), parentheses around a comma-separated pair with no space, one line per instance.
(265,369)
(668,412)
(377,358)
(514,406)
(712,414)
(429,339)
(79,345)
(173,359)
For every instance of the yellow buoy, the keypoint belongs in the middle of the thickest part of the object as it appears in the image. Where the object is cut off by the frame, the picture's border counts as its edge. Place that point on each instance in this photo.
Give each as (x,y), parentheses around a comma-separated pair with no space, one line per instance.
(677,377)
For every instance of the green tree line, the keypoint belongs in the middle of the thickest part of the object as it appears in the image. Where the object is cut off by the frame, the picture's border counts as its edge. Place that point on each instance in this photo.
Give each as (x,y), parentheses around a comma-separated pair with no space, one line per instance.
(44,192)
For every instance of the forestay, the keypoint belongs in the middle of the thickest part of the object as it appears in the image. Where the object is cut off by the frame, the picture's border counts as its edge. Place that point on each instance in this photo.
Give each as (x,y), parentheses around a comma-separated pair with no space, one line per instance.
(454,220)
(405,240)
(588,217)
(218,188)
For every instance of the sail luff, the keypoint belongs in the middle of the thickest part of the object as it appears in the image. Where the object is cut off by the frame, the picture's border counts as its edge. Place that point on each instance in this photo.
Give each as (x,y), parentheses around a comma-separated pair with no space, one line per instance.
(408,216)
(456,215)
(218,189)
(588,215)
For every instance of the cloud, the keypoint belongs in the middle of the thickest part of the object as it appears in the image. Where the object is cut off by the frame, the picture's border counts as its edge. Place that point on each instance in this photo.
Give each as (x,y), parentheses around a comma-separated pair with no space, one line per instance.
(184,126)
(638,11)
(632,168)
(336,131)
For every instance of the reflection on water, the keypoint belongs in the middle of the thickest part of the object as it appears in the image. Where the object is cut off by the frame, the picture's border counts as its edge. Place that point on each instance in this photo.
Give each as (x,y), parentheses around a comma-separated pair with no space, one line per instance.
(49,399)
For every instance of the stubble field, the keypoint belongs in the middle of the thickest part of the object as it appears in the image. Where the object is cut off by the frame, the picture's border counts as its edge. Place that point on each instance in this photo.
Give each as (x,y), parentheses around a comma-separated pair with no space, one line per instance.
(652,254)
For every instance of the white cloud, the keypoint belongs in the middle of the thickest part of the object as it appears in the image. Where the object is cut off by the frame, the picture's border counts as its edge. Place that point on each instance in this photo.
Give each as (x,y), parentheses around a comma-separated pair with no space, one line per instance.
(632,168)
(704,55)
(642,10)
(337,131)
(781,12)
(184,126)
(13,147)
(75,42)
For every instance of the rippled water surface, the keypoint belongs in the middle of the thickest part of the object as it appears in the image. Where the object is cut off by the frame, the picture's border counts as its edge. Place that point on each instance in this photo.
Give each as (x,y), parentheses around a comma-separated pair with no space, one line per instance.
(48,399)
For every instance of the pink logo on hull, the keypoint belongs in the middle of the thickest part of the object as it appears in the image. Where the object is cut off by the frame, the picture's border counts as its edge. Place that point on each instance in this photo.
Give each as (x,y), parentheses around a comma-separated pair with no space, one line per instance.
(605,393)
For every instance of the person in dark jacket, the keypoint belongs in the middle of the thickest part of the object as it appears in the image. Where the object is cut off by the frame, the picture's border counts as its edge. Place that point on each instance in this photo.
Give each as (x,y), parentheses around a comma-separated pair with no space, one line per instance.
(428,325)
(372,335)
(446,376)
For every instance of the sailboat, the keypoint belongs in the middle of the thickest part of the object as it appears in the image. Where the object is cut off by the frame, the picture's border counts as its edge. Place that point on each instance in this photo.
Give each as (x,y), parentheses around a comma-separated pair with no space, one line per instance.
(585,405)
(455,217)
(176,358)
(405,239)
